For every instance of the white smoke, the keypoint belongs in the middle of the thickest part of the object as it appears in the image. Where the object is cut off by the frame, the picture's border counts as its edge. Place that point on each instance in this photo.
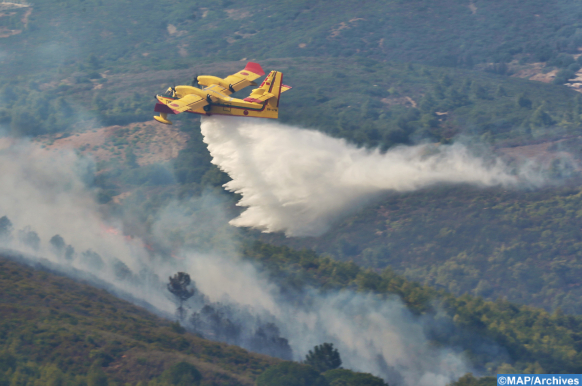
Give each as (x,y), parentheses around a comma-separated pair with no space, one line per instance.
(300,181)
(377,336)
(374,335)
(46,192)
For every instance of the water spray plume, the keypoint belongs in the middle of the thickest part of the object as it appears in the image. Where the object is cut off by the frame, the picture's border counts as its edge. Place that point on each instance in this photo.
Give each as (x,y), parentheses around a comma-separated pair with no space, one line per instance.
(301,181)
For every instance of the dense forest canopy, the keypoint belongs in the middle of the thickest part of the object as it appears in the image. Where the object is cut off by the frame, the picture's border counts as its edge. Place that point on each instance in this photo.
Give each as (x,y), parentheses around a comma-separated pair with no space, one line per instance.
(448,32)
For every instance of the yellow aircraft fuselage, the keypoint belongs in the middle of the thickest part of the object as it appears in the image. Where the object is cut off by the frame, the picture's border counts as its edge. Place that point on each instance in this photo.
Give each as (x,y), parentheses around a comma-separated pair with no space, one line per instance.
(215,99)
(225,105)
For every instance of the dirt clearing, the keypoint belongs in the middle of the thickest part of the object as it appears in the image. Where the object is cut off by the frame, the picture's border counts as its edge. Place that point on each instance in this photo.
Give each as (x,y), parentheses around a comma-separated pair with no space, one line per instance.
(151,142)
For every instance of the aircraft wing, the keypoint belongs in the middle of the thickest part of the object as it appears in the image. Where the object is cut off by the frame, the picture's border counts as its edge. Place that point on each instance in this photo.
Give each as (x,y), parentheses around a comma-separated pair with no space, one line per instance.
(244,77)
(189,102)
(234,82)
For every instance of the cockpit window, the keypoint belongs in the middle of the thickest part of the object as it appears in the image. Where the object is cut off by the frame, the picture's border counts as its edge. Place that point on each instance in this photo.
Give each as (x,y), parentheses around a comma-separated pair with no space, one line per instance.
(169,93)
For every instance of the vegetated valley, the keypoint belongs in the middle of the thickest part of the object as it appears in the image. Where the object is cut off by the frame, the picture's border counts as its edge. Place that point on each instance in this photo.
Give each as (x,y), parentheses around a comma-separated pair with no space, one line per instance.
(489,275)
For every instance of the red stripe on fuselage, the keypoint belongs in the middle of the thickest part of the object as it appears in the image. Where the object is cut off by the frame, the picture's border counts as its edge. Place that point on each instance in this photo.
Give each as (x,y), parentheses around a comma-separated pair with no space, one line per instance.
(280,85)
(241,108)
(252,100)
(226,115)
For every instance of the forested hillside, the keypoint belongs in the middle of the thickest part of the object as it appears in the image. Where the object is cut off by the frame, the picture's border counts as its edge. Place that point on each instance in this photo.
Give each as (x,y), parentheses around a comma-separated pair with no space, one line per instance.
(447,32)
(351,62)
(531,340)
(518,244)
(369,103)
(55,331)
(493,271)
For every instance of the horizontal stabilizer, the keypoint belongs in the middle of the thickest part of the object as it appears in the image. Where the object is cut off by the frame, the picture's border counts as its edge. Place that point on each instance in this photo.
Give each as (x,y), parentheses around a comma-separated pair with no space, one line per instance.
(270,89)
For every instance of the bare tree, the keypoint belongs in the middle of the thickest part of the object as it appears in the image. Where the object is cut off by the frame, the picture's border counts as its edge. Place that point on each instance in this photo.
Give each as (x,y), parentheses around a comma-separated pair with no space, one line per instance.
(178,286)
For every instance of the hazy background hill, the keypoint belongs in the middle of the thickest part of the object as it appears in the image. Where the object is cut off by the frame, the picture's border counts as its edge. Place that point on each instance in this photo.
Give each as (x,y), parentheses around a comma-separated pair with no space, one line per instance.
(158,33)
(78,52)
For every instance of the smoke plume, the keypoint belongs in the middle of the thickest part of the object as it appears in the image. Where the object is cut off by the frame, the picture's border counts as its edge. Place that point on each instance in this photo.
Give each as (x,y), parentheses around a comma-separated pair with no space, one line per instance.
(301,181)
(54,215)
(46,195)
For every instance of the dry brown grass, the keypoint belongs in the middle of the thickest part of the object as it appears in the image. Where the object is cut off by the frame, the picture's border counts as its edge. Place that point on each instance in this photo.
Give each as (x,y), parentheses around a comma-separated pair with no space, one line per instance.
(152,142)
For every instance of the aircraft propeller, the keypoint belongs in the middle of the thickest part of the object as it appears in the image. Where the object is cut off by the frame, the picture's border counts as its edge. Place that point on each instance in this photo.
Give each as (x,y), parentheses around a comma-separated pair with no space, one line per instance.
(195,81)
(173,88)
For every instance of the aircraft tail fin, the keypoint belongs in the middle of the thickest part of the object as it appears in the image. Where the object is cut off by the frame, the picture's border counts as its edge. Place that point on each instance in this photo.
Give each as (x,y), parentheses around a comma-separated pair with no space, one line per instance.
(270,90)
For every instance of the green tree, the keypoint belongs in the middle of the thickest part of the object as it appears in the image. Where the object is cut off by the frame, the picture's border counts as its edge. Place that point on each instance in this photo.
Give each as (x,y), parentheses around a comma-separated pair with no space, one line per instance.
(96,376)
(323,357)
(93,62)
(25,123)
(291,374)
(178,286)
(182,374)
(343,377)
(7,362)
(563,76)
(29,237)
(69,252)
(51,375)
(479,91)
(58,244)
(470,380)
(540,118)
(522,101)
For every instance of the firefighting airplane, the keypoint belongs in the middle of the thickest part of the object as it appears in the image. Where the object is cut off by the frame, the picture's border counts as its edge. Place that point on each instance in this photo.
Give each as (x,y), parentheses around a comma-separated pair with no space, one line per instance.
(215,98)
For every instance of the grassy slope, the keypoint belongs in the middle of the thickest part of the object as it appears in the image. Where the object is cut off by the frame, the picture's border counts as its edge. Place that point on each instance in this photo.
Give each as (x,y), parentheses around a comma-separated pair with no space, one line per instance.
(51,320)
